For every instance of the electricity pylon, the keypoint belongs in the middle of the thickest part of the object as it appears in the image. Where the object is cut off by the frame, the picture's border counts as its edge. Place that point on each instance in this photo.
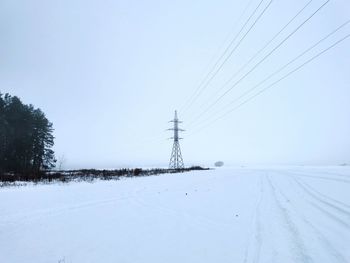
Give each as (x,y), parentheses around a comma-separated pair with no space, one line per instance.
(176,161)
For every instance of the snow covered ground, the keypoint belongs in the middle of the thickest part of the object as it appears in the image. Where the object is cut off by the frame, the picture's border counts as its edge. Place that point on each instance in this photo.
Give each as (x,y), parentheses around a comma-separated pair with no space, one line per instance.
(280,214)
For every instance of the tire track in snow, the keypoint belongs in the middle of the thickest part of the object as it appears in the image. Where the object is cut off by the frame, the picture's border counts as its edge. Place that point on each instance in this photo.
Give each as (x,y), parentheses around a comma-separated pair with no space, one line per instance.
(320,177)
(331,206)
(320,199)
(298,249)
(323,195)
(255,238)
(326,212)
(325,243)
(24,220)
(21,220)
(324,173)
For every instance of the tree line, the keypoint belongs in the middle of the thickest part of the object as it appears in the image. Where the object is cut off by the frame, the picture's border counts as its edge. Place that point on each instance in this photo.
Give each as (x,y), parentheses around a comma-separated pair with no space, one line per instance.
(26,138)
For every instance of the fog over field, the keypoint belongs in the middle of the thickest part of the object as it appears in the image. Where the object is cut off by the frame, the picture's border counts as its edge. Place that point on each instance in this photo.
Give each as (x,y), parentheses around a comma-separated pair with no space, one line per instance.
(109,75)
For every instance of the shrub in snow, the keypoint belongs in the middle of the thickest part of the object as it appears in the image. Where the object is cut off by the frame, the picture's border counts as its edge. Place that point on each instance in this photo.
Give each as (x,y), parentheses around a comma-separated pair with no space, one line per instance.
(219,164)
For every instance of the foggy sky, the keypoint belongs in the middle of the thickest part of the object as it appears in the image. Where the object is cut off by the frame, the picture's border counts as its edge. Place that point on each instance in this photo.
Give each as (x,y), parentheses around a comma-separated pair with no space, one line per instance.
(109,75)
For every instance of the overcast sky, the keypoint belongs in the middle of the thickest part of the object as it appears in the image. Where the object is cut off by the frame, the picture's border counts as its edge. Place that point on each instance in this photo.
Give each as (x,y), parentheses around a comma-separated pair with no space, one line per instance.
(109,75)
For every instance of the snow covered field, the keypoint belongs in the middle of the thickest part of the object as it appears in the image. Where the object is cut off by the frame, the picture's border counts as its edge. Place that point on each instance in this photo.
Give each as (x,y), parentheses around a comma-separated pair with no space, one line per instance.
(281,214)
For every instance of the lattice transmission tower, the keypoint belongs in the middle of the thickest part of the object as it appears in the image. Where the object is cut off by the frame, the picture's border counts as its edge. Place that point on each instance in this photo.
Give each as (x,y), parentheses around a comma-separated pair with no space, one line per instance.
(176,161)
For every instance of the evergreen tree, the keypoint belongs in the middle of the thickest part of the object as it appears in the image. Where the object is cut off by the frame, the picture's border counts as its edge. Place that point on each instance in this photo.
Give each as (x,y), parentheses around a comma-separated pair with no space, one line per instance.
(26,137)
(3,128)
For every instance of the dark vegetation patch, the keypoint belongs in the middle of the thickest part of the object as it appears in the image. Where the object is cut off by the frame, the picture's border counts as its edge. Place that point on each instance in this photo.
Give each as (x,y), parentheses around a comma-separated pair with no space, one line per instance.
(89,175)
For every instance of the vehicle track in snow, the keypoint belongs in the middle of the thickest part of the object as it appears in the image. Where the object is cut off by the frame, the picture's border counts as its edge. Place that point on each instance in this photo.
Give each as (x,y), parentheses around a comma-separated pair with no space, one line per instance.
(283,217)
(326,245)
(321,199)
(327,207)
(254,241)
(342,180)
(21,220)
(328,201)
(322,195)
(297,246)
(322,173)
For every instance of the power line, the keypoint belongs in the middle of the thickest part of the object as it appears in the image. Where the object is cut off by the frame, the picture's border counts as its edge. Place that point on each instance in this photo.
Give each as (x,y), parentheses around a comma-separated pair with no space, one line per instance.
(276,82)
(262,60)
(219,49)
(221,56)
(284,66)
(201,88)
(263,48)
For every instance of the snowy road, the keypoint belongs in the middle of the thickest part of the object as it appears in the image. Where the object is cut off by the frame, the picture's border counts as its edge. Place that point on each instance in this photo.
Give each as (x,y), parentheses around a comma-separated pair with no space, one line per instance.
(281,214)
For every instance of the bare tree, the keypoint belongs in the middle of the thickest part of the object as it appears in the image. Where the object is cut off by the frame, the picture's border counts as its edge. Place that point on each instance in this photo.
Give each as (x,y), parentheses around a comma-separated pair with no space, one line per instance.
(61,162)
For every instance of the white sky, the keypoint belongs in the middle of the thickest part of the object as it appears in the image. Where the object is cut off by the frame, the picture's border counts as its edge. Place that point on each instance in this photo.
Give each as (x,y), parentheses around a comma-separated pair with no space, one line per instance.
(109,75)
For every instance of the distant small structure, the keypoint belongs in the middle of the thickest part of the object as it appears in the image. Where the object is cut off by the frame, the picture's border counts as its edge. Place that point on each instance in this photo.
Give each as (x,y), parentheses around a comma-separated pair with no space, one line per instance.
(219,164)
